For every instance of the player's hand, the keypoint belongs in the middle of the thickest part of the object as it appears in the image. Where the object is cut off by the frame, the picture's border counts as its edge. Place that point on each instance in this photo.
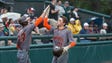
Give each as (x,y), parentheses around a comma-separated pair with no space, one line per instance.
(45,11)
(66,48)
(46,8)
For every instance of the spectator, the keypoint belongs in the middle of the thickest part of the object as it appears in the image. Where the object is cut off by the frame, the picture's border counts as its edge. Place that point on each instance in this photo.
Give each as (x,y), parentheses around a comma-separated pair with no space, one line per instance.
(85,29)
(104,29)
(17,29)
(6,31)
(11,27)
(5,23)
(53,14)
(60,8)
(2,43)
(110,23)
(91,29)
(3,11)
(71,26)
(74,26)
(78,26)
(96,29)
(74,13)
(67,9)
(30,13)
(1,30)
(9,21)
(92,23)
(4,19)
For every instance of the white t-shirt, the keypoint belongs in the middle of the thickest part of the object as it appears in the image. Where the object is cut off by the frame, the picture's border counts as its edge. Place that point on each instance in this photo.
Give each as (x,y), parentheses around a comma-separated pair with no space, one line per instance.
(61,10)
(103,31)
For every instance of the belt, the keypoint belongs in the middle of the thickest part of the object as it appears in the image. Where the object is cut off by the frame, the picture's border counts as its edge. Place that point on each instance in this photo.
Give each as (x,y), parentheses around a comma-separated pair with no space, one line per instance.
(22,50)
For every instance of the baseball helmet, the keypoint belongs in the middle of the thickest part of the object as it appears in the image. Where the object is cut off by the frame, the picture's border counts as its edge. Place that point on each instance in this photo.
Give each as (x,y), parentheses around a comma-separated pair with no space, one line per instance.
(57,51)
(23,21)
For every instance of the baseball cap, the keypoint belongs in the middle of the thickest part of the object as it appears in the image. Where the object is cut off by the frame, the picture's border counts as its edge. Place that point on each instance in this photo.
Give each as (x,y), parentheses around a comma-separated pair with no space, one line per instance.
(105,24)
(72,19)
(31,9)
(23,19)
(86,24)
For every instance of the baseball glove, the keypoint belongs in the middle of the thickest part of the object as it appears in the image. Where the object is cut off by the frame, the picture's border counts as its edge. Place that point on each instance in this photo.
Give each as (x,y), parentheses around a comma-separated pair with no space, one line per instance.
(57,51)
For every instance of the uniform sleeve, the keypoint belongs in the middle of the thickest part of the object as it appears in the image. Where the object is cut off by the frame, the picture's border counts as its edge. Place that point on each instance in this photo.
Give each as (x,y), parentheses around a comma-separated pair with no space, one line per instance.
(49,27)
(30,28)
(38,21)
(71,39)
(70,36)
(46,24)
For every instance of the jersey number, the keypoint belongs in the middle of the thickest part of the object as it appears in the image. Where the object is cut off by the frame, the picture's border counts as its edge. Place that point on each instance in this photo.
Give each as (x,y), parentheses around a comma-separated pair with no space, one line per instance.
(22,37)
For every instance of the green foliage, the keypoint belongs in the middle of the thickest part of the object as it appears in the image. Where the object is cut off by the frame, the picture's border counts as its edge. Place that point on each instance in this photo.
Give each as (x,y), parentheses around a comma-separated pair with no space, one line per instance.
(102,6)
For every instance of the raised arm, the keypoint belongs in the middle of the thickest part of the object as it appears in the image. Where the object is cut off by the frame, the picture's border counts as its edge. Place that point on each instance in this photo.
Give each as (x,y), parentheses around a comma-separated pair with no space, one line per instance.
(45,24)
(39,20)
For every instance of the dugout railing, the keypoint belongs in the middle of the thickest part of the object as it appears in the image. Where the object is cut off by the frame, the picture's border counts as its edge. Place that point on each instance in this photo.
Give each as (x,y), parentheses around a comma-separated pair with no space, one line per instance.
(78,37)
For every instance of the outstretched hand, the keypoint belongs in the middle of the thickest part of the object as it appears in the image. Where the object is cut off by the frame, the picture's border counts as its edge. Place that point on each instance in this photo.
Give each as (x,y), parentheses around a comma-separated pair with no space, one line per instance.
(45,11)
(65,49)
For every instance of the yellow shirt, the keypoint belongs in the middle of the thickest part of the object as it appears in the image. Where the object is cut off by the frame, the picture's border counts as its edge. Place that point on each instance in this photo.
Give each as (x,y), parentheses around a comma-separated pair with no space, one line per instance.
(12,29)
(75,28)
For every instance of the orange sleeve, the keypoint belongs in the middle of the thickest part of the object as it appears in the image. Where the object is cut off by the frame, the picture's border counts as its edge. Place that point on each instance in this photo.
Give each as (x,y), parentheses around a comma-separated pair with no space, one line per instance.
(46,24)
(72,44)
(38,21)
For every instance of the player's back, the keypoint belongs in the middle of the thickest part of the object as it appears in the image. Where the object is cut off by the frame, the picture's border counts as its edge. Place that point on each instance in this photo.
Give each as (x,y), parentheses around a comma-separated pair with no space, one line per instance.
(25,36)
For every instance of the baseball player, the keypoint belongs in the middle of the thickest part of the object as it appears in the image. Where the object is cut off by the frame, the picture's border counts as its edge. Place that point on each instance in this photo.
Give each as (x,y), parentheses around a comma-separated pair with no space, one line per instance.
(62,38)
(24,38)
